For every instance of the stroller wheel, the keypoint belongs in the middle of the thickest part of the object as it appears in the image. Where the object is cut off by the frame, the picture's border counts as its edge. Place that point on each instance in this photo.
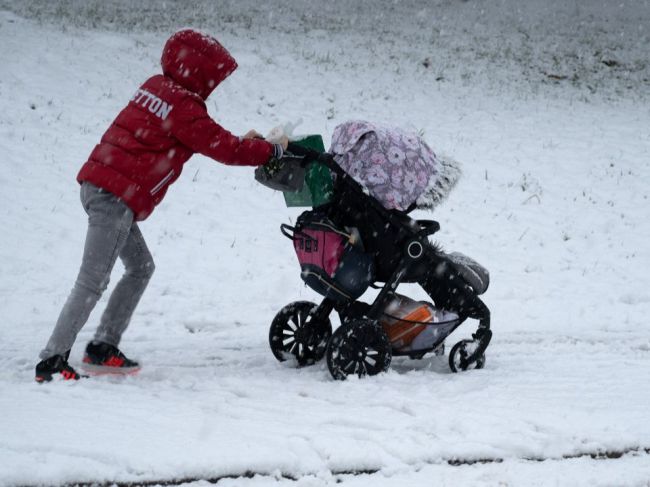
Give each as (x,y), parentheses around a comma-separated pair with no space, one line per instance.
(458,356)
(358,347)
(295,333)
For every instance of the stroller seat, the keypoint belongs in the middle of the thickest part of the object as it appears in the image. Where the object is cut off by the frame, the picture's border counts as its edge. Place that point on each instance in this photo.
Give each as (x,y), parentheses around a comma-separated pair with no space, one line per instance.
(385,232)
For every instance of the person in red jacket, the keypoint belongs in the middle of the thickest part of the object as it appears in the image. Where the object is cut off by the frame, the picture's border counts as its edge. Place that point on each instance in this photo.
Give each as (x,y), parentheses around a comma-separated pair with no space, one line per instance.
(127,174)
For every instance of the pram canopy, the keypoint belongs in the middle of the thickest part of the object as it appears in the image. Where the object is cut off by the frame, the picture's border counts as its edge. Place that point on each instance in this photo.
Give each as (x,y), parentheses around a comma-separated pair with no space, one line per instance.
(397,167)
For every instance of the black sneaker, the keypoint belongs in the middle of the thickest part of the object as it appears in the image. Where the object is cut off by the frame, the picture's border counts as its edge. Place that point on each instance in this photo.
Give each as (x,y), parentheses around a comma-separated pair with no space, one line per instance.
(58,364)
(102,357)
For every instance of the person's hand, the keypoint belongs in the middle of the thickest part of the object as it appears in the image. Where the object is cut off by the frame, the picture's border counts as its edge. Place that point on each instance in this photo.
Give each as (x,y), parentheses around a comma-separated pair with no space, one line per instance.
(283,141)
(252,134)
(277,136)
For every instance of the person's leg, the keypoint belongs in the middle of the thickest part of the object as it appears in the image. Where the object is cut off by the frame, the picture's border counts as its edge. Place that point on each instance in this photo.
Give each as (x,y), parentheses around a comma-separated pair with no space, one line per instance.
(109,223)
(139,268)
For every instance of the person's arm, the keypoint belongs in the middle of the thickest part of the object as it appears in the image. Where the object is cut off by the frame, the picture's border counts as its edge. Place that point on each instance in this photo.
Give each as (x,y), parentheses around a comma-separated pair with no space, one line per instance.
(193,127)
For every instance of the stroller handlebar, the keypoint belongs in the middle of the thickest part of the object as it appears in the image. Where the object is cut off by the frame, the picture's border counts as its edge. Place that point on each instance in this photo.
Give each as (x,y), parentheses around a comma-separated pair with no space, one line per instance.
(311,155)
(299,150)
(428,227)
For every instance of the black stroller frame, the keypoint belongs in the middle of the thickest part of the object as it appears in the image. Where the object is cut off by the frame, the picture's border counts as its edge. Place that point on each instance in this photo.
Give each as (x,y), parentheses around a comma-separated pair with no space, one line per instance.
(302,330)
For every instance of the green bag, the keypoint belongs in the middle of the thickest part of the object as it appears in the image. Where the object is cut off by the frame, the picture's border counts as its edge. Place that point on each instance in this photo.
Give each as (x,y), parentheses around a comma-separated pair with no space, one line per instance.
(318,179)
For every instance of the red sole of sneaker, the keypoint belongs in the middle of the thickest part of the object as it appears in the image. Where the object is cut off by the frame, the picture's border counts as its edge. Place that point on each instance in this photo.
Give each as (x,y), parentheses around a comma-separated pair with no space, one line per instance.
(105,370)
(57,377)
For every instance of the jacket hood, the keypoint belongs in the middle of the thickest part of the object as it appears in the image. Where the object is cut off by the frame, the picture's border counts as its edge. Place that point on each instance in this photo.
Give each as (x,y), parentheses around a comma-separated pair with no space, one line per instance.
(196,61)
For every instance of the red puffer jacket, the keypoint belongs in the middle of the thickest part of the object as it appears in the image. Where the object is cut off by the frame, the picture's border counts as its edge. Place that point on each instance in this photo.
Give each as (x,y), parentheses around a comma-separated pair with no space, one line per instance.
(166,121)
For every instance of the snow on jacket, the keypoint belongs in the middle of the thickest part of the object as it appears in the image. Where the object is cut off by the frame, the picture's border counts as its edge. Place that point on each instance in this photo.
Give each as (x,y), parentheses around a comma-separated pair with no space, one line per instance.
(165,123)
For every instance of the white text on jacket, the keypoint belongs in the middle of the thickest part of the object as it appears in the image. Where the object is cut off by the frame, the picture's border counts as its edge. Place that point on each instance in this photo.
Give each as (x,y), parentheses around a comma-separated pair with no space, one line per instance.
(150,101)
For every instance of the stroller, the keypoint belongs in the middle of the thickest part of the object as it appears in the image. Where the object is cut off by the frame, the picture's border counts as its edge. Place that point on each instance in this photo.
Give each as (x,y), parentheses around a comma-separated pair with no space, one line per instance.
(354,242)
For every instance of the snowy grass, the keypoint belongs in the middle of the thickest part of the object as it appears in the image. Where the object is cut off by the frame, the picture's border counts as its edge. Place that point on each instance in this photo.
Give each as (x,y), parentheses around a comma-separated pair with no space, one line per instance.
(553,200)
(596,48)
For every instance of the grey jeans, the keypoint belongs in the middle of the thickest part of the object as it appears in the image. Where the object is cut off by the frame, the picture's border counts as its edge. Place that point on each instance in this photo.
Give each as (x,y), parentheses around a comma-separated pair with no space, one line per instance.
(112,232)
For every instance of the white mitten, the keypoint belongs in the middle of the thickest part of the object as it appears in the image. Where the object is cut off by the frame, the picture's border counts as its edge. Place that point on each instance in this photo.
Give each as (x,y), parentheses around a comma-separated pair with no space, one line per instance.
(276,135)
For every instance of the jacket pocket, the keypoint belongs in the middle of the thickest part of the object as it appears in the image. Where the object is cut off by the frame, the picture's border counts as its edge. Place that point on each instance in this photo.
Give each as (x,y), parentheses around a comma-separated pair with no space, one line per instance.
(161,184)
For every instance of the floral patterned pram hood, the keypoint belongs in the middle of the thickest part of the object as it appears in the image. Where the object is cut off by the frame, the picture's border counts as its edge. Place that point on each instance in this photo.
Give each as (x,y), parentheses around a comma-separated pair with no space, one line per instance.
(398,168)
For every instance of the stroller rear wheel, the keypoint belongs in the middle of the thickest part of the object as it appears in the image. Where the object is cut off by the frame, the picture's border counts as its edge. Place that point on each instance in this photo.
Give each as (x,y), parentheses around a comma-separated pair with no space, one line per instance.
(295,332)
(358,347)
(459,354)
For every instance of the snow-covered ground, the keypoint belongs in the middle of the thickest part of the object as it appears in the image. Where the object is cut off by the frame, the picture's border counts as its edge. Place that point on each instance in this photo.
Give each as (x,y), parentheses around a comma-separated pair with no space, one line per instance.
(545,103)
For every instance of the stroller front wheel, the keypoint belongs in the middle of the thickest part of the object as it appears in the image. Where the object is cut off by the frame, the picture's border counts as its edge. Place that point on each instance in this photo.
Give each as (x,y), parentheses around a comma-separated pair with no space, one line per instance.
(295,332)
(459,354)
(358,347)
